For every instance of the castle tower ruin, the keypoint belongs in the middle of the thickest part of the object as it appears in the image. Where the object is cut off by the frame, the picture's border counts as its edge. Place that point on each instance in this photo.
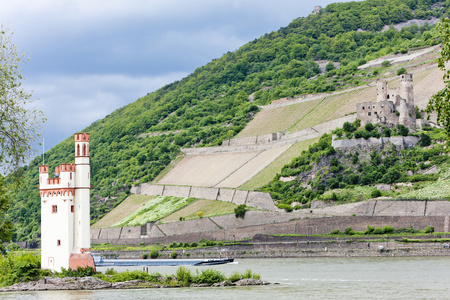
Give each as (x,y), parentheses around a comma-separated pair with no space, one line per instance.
(382,90)
(407,92)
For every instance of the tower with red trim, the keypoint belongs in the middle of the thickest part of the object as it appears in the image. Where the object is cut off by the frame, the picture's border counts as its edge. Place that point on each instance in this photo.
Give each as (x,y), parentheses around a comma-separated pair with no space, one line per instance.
(65,211)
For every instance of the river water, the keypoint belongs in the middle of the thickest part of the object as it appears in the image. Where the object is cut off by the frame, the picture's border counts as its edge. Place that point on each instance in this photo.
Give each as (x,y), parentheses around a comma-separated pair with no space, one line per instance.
(299,278)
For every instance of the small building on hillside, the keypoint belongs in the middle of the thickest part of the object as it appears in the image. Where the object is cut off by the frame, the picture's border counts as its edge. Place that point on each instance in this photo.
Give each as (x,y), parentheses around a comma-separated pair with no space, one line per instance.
(393,106)
(65,211)
(317,9)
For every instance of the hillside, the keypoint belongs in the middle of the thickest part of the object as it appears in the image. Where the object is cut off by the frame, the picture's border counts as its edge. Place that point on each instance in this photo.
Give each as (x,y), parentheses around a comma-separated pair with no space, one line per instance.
(212,104)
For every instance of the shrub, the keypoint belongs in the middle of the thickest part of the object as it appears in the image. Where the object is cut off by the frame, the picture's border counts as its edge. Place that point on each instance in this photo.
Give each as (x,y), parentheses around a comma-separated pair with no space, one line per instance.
(209,276)
(184,276)
(20,268)
(174,245)
(375,193)
(144,255)
(402,130)
(369,230)
(13,247)
(193,245)
(385,64)
(335,231)
(174,254)
(429,229)
(154,254)
(200,214)
(369,127)
(425,140)
(401,71)
(239,211)
(349,231)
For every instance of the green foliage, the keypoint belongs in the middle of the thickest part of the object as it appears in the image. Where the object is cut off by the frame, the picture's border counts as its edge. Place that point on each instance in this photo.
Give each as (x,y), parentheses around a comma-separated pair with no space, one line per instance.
(154,254)
(174,254)
(137,142)
(440,102)
(425,140)
(22,267)
(401,71)
(429,229)
(375,193)
(184,276)
(349,231)
(13,247)
(339,174)
(157,208)
(209,276)
(144,255)
(385,64)
(239,211)
(235,276)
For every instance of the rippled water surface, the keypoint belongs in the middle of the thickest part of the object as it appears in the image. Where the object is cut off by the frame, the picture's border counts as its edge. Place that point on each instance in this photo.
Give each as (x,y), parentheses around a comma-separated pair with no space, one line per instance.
(302,278)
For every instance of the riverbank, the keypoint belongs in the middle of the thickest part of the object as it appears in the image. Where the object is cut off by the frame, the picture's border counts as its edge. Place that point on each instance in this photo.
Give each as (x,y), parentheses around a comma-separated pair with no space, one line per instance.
(267,246)
(93,283)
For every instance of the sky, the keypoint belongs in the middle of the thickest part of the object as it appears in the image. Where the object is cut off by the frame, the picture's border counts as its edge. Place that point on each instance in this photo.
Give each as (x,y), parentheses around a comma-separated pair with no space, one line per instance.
(88,58)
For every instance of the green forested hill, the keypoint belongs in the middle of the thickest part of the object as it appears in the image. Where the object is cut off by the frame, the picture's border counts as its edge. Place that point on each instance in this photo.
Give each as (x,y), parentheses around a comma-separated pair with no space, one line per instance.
(211,104)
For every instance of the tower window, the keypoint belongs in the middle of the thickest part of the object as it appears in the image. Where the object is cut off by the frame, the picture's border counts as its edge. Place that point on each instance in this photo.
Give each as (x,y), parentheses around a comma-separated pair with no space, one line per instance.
(58,242)
(54,209)
(369,113)
(72,209)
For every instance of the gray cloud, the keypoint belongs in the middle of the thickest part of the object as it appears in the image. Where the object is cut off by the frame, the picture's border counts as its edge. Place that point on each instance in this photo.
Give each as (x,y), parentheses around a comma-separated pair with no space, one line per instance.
(89,58)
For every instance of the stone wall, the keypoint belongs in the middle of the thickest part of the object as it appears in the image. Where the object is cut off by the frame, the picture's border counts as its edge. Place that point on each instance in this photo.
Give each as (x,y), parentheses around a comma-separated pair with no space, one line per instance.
(401,141)
(212,228)
(254,199)
(418,214)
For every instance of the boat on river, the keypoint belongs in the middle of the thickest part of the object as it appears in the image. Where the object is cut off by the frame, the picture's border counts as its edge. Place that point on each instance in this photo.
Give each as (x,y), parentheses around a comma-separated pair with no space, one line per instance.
(102,262)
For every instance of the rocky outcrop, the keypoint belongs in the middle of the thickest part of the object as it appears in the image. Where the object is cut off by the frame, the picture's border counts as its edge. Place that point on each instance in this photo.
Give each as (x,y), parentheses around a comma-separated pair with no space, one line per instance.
(92,283)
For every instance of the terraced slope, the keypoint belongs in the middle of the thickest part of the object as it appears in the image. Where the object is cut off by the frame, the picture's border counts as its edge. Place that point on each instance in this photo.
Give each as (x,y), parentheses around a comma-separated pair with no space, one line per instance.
(124,209)
(208,208)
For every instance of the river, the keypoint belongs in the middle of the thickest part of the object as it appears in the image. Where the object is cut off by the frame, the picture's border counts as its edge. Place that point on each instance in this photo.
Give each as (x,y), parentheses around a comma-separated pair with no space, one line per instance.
(304,278)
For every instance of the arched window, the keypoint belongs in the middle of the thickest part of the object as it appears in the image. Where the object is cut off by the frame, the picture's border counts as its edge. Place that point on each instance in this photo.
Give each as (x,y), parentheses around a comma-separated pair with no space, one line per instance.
(84,150)
(78,150)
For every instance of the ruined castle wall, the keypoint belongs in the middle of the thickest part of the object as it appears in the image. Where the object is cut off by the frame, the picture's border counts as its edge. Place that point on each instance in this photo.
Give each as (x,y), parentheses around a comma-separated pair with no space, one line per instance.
(401,141)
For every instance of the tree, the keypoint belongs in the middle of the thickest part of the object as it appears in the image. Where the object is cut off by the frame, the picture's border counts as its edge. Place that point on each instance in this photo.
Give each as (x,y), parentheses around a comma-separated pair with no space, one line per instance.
(19,125)
(440,102)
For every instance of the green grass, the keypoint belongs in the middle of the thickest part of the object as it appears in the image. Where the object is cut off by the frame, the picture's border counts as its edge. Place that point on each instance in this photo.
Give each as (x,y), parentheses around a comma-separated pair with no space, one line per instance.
(109,247)
(266,175)
(158,208)
(209,208)
(128,206)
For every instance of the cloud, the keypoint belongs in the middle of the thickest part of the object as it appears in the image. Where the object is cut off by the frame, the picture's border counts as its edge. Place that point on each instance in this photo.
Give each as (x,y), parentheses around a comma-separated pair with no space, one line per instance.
(89,58)
(73,103)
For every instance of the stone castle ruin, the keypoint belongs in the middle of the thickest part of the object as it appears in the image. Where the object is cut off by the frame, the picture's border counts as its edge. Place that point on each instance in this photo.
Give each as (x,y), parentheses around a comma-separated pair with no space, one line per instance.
(393,106)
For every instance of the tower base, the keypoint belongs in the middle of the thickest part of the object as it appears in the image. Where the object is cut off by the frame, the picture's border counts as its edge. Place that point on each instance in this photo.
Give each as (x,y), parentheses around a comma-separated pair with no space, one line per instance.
(81,260)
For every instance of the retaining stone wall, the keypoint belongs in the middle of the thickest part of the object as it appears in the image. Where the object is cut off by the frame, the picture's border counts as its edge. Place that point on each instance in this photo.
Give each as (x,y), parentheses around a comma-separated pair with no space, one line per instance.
(400,141)
(204,193)
(254,199)
(176,191)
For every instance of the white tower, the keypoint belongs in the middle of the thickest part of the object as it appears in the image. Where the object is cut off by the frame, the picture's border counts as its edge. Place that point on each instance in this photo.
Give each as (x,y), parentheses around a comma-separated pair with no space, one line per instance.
(65,220)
